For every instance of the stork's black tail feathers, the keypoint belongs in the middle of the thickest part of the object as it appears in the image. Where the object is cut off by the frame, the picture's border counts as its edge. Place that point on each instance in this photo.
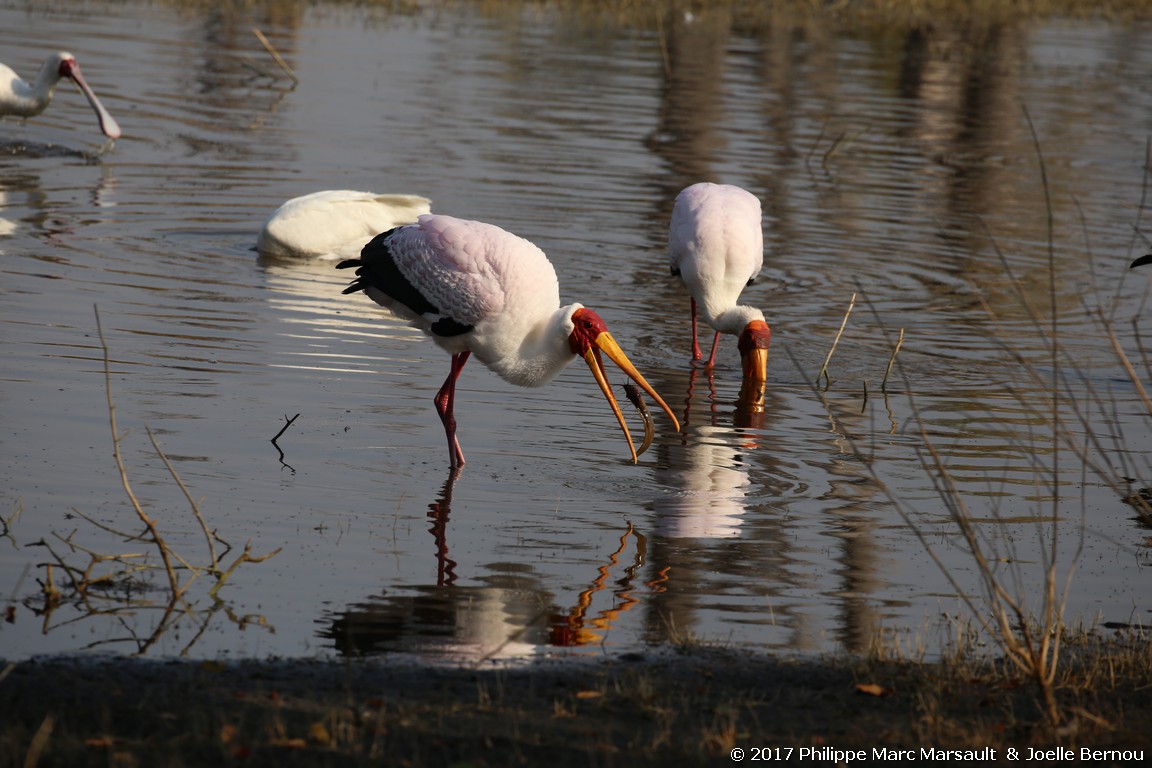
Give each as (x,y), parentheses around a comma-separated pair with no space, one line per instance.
(376,268)
(358,284)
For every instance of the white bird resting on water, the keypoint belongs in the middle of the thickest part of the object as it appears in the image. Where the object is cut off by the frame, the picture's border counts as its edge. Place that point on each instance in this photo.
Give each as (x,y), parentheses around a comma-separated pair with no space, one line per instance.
(335,223)
(21,99)
(716,247)
(476,289)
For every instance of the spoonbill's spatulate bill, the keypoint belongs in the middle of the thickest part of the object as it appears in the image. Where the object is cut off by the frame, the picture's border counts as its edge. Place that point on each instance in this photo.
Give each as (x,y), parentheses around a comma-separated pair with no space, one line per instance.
(21,99)
(335,223)
(476,289)
(716,247)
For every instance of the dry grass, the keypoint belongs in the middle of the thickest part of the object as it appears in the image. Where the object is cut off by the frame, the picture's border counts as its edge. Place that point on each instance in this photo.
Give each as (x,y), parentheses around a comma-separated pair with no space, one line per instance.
(686,708)
(98,581)
(1021,608)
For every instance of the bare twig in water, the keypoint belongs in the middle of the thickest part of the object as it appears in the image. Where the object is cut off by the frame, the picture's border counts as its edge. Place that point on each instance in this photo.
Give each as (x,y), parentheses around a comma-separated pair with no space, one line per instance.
(191,502)
(816,143)
(6,524)
(243,557)
(839,333)
(285,427)
(842,140)
(276,55)
(278,434)
(157,539)
(891,360)
(93,579)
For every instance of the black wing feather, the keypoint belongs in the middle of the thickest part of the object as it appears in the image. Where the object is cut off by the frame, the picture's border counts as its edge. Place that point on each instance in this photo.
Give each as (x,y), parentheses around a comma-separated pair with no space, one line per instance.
(376,268)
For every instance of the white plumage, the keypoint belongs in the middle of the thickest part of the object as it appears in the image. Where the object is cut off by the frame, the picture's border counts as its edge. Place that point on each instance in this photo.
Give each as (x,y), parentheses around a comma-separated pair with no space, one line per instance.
(716,247)
(476,289)
(22,99)
(335,223)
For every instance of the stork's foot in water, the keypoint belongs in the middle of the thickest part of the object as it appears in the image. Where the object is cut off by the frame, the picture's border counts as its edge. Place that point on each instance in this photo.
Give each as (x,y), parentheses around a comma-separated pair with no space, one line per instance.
(445,404)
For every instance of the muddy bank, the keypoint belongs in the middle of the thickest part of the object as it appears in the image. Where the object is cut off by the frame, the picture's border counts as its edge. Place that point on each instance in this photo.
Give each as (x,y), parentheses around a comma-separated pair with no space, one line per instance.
(664,708)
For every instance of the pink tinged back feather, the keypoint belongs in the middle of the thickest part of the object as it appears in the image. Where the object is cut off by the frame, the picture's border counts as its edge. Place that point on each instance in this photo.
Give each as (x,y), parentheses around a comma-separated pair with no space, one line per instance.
(716,244)
(718,218)
(474,271)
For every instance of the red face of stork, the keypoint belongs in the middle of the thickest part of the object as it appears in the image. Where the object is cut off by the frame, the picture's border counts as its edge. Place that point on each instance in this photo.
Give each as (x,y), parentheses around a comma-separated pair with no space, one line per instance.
(753,346)
(588,339)
(71,70)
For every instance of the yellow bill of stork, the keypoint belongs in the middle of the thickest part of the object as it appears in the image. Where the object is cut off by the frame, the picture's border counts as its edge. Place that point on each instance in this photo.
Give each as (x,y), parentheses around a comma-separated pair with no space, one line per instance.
(716,247)
(21,99)
(477,289)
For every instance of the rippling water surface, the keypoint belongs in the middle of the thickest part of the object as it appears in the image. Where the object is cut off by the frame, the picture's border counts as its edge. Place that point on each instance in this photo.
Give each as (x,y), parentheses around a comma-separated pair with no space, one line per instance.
(914,170)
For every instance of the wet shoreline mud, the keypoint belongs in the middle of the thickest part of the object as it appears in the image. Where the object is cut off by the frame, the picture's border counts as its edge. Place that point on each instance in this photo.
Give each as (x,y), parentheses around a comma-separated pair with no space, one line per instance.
(694,707)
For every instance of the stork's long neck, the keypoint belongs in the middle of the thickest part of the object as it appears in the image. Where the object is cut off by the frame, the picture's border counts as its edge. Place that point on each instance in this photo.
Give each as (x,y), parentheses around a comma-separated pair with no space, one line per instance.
(733,320)
(535,358)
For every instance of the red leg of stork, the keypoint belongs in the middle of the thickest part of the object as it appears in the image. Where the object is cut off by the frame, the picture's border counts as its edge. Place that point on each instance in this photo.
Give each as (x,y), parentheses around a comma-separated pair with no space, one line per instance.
(445,401)
(715,344)
(695,342)
(696,354)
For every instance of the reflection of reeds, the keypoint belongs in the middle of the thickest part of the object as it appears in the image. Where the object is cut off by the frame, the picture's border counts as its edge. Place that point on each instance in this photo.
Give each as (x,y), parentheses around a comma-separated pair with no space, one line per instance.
(1029,637)
(1020,609)
(100,578)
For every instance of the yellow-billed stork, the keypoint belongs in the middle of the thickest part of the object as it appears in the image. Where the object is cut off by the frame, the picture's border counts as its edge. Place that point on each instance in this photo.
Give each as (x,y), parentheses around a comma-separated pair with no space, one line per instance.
(716,247)
(477,289)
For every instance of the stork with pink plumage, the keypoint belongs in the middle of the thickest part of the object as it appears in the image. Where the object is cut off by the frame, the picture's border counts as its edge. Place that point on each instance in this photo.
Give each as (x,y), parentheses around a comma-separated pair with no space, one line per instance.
(716,248)
(476,289)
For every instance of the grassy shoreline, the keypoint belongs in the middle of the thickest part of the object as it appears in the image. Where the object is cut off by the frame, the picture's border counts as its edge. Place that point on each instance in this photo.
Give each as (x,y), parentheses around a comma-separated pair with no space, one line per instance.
(690,707)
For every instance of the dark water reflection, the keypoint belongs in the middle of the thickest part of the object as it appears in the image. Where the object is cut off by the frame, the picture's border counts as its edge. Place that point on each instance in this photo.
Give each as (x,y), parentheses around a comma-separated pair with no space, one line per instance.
(914,168)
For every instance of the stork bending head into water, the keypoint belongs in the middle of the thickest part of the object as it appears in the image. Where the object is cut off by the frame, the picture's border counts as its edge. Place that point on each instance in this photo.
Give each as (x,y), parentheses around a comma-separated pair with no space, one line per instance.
(335,223)
(716,247)
(22,99)
(476,289)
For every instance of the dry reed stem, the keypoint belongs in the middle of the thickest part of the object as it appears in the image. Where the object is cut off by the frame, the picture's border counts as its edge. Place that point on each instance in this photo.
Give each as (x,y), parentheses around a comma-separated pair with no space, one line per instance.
(835,341)
(103,526)
(276,56)
(187,495)
(39,741)
(891,361)
(157,539)
(83,580)
(1031,643)
(1128,367)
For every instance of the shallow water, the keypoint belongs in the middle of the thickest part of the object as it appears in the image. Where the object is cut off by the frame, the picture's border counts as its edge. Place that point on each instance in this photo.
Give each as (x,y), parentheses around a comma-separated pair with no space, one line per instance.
(899,168)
